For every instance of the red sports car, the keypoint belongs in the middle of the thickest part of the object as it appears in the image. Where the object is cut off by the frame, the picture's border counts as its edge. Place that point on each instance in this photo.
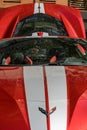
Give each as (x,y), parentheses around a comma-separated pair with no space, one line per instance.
(43,97)
(43,77)
(52,19)
(43,83)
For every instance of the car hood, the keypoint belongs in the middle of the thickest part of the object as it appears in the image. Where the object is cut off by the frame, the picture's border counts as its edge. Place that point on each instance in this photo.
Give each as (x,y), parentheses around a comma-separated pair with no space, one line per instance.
(43,98)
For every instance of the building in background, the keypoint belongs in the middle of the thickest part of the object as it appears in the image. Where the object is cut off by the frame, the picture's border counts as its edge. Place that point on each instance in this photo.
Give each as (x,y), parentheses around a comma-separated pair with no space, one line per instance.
(6,3)
(81,4)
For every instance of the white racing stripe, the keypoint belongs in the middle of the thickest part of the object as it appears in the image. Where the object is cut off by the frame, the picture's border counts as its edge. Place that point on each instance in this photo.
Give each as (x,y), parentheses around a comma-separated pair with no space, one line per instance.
(39,8)
(44,34)
(34,89)
(44,89)
(36,10)
(57,91)
(42,10)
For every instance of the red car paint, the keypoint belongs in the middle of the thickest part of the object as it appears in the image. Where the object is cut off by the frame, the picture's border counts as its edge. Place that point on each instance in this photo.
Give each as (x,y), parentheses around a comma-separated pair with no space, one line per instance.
(13,105)
(72,19)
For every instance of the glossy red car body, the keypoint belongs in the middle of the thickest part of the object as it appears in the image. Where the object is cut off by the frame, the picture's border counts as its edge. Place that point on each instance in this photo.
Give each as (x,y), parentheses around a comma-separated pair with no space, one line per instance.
(43,97)
(23,106)
(71,18)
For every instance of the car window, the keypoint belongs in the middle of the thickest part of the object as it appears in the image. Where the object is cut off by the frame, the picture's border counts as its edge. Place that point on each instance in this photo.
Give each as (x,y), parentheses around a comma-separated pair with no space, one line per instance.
(39,51)
(40,22)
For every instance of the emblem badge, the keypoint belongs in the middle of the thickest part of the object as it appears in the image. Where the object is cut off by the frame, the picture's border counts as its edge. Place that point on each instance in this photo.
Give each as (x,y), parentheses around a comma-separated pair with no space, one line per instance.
(45,112)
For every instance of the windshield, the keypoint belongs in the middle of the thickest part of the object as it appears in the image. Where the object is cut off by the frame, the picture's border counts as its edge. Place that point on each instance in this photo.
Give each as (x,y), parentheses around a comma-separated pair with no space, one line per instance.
(43,51)
(40,23)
